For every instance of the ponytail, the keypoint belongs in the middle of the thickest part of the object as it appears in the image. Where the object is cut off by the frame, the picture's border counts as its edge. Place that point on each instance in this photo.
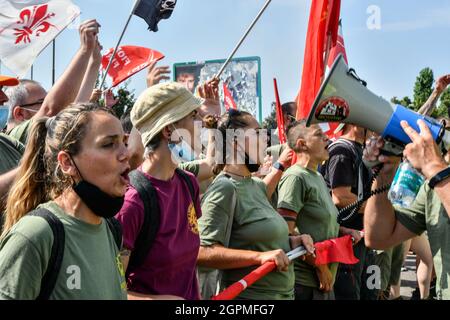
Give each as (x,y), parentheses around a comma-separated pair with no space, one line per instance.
(29,188)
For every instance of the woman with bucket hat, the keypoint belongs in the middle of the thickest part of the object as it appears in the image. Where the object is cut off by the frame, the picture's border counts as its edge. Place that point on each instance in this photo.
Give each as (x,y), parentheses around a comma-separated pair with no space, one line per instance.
(161,263)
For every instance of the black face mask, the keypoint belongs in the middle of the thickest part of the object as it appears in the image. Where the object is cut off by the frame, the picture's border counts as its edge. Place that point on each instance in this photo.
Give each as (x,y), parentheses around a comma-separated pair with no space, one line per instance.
(100,203)
(252,167)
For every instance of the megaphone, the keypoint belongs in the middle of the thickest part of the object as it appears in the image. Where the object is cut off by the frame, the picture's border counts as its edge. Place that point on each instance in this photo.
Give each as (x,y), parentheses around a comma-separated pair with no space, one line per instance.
(343,97)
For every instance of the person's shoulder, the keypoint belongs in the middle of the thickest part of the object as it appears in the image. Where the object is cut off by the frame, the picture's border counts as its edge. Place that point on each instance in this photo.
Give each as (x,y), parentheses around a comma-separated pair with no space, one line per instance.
(12,142)
(191,166)
(35,230)
(342,146)
(222,184)
(276,150)
(296,171)
(21,130)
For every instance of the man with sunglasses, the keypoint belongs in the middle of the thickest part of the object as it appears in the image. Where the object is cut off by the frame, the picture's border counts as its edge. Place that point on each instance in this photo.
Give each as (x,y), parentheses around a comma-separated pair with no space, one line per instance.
(25,100)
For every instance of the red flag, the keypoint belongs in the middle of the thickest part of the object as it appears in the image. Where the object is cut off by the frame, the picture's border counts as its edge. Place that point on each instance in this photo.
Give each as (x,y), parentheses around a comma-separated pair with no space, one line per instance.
(335,250)
(279,112)
(323,25)
(328,251)
(228,100)
(338,49)
(128,61)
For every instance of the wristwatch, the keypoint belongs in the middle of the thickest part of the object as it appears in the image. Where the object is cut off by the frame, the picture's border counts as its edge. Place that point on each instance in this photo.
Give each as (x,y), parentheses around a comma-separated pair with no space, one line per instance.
(444,174)
(279,166)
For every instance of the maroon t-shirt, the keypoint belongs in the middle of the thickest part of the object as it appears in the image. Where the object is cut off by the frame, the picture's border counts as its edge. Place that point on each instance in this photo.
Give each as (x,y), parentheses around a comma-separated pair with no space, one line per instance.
(170,266)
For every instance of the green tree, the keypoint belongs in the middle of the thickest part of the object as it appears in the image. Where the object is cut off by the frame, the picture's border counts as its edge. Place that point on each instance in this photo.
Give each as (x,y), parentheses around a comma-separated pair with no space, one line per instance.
(126,97)
(126,100)
(406,102)
(423,87)
(270,122)
(444,106)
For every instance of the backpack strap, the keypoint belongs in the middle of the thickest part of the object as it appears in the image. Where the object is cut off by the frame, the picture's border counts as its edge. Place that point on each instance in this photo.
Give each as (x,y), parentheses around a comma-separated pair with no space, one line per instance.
(152,212)
(189,184)
(48,281)
(150,225)
(358,164)
(116,229)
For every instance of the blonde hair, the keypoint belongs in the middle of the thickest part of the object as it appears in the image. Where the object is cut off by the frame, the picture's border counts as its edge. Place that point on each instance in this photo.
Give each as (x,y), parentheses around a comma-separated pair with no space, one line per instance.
(39,178)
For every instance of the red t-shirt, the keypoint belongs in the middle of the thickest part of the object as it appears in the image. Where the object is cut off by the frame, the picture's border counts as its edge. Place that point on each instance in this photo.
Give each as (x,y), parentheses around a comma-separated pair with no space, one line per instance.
(170,266)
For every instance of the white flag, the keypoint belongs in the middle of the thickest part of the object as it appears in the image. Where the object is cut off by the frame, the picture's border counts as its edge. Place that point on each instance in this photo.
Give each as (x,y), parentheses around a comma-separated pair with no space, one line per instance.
(28,26)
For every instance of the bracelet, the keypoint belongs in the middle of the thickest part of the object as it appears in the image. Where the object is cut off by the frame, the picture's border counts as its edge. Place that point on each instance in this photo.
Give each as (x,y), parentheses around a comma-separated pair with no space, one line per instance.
(277,165)
(439,177)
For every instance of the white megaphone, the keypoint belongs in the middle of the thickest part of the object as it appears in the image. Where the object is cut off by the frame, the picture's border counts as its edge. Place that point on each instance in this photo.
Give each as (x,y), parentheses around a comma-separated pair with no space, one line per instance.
(343,97)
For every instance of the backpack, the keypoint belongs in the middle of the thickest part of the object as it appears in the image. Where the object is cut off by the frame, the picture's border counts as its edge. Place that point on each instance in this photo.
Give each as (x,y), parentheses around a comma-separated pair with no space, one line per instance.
(358,165)
(151,223)
(48,281)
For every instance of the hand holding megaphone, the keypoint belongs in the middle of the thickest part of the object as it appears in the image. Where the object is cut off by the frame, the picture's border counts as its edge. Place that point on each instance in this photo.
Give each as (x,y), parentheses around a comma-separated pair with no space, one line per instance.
(423,152)
(374,154)
(344,97)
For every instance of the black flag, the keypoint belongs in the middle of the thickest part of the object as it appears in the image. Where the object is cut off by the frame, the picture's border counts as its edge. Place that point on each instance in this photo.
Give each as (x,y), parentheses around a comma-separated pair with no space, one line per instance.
(152,11)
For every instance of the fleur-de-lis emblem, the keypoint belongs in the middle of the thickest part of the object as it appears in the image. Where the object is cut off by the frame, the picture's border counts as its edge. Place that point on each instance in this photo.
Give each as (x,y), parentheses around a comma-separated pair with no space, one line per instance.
(33,23)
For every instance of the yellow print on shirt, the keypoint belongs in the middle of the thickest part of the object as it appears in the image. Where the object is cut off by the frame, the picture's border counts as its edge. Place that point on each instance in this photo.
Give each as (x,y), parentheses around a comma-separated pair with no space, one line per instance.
(192,219)
(121,269)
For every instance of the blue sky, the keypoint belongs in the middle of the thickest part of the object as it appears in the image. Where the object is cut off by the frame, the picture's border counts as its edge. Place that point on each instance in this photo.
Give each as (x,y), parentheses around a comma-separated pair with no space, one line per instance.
(414,34)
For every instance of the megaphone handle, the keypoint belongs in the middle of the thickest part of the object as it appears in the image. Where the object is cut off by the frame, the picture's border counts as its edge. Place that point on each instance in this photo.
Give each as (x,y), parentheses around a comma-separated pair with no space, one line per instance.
(389,149)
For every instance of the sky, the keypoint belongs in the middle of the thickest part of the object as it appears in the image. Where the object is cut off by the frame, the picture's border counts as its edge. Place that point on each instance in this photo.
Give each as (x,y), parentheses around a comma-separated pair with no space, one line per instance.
(388,52)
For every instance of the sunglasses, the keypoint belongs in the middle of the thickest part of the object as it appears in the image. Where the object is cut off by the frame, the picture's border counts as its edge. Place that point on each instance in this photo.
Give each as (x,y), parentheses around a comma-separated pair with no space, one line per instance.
(40,101)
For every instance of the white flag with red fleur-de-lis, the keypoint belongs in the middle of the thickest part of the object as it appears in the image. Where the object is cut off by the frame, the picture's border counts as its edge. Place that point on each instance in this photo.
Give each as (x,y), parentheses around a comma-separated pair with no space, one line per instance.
(28,26)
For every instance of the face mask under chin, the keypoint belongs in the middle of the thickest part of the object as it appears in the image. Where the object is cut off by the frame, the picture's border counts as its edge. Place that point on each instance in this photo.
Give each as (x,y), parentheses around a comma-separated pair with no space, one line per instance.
(99,202)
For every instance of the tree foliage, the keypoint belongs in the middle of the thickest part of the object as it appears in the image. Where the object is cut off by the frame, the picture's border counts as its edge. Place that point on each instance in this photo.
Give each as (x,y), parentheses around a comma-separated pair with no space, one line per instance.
(270,122)
(423,87)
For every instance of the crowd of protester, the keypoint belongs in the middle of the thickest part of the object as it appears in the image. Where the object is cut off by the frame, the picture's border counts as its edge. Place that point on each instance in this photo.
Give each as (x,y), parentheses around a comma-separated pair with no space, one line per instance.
(177,200)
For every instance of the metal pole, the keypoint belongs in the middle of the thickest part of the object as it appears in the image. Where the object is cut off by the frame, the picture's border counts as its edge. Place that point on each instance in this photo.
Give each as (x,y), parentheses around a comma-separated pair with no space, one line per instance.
(32,72)
(53,68)
(118,42)
(242,39)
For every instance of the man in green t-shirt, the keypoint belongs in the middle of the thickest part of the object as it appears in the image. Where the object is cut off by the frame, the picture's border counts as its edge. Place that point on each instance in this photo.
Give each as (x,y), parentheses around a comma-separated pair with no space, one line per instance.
(305,203)
(430,211)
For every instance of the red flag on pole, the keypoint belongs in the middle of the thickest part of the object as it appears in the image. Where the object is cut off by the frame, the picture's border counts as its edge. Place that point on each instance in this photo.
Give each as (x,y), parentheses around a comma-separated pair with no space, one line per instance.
(279,112)
(328,251)
(321,36)
(129,60)
(335,250)
(228,100)
(335,51)
(338,49)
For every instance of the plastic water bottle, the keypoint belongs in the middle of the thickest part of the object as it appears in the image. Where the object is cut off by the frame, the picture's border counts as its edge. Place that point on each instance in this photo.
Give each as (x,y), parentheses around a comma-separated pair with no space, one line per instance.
(406,185)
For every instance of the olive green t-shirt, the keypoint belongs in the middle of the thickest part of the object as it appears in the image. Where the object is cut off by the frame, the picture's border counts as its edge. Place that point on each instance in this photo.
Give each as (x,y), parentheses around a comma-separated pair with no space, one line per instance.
(191,166)
(428,214)
(304,191)
(20,132)
(256,226)
(91,266)
(11,151)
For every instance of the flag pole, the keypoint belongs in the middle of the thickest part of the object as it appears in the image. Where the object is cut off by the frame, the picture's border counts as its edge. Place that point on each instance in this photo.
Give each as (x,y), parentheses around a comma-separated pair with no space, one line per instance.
(242,39)
(136,3)
(53,63)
